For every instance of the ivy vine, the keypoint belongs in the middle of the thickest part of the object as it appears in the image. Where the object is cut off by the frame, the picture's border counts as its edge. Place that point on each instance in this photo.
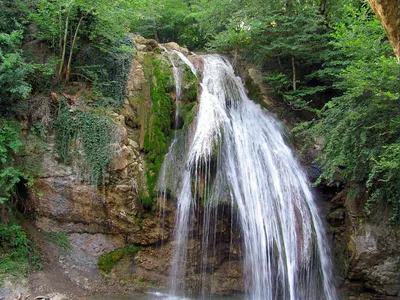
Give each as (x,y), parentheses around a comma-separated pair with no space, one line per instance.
(92,131)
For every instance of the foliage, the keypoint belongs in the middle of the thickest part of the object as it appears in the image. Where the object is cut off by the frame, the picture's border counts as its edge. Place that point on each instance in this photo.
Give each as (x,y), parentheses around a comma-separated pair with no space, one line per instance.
(109,260)
(96,134)
(289,47)
(67,23)
(59,238)
(14,251)
(167,21)
(10,145)
(66,129)
(12,14)
(107,70)
(361,126)
(384,178)
(93,131)
(13,71)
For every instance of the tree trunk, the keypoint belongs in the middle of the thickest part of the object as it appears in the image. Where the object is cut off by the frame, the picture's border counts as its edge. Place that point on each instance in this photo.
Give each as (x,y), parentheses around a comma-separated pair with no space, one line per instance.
(294,74)
(155,31)
(64,46)
(322,7)
(286,5)
(72,50)
(388,13)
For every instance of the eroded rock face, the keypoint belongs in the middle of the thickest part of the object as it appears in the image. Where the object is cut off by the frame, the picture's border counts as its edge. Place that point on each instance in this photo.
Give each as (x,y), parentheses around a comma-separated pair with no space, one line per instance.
(98,220)
(62,199)
(368,250)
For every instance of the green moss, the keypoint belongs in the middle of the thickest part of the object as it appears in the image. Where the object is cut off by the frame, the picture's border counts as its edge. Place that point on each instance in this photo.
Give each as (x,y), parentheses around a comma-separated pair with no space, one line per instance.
(59,238)
(109,260)
(254,95)
(145,197)
(190,84)
(189,114)
(158,126)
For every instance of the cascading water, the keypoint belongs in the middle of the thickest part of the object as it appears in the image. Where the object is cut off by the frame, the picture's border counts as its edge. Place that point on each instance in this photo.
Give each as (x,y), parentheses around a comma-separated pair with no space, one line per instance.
(238,156)
(178,61)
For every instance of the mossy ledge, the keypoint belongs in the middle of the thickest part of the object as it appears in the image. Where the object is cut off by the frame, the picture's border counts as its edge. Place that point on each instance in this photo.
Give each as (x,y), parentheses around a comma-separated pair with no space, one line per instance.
(109,260)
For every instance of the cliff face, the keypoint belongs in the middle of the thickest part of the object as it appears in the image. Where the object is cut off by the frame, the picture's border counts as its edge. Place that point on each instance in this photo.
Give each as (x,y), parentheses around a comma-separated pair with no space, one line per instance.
(101,221)
(124,209)
(367,249)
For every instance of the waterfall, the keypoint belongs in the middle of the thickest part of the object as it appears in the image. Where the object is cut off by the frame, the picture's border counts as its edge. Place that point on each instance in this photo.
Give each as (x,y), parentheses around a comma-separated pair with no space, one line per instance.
(237,157)
(178,61)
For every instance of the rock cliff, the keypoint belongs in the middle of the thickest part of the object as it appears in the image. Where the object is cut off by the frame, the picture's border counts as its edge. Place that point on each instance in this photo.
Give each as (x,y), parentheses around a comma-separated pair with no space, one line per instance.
(125,208)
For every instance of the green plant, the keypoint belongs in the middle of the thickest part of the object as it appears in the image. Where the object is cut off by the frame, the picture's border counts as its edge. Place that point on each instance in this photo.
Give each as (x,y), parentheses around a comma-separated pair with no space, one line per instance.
(59,238)
(66,130)
(92,130)
(95,132)
(14,251)
(361,125)
(14,71)
(34,259)
(107,70)
(66,24)
(10,145)
(109,260)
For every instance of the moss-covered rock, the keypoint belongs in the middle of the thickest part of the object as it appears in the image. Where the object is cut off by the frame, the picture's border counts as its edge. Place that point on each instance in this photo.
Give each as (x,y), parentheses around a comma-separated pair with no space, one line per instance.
(109,260)
(190,86)
(158,125)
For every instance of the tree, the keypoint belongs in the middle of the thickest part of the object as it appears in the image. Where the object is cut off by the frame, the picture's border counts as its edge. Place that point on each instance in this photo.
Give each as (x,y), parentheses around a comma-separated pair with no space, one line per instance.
(13,71)
(361,126)
(65,22)
(10,144)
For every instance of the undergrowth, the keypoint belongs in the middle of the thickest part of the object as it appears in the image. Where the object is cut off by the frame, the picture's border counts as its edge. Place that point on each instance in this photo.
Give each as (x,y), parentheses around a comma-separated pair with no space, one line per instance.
(14,251)
(18,256)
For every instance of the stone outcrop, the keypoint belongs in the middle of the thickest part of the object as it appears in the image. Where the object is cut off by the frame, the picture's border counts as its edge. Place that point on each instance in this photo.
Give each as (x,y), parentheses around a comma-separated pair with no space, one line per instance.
(99,220)
(367,251)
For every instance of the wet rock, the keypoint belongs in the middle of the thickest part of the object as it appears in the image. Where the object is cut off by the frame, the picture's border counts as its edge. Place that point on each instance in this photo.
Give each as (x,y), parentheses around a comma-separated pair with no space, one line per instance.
(366,250)
(150,45)
(374,258)
(337,217)
(175,46)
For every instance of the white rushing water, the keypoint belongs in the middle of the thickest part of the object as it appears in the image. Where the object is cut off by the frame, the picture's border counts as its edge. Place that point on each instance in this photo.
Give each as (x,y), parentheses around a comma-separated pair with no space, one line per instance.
(238,154)
(178,61)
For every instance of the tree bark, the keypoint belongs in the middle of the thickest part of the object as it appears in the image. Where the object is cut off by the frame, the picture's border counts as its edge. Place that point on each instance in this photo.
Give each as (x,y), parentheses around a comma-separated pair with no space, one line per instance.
(72,49)
(322,7)
(388,13)
(155,31)
(64,46)
(294,74)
